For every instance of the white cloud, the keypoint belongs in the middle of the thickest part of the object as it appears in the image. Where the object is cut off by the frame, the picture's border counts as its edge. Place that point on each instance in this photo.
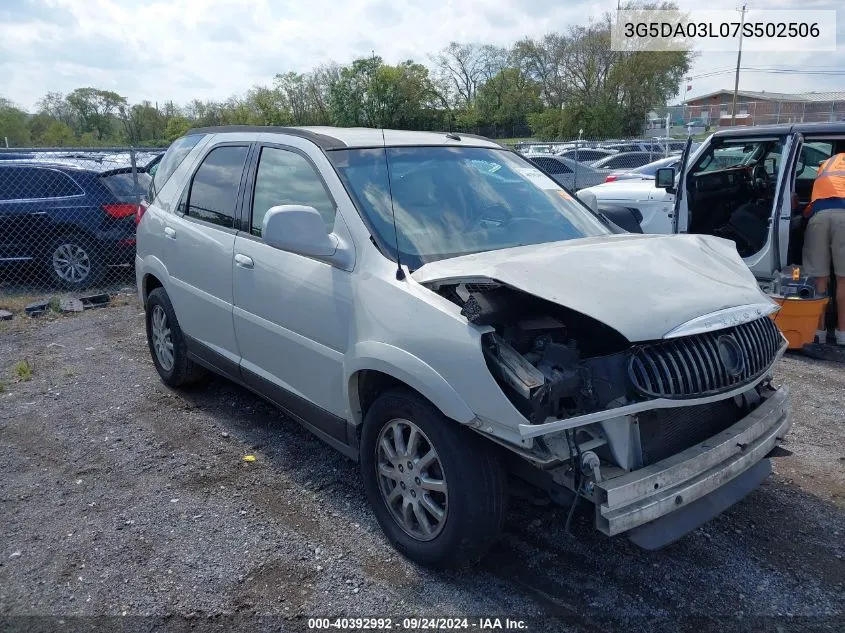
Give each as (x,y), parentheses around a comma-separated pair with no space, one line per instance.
(212,49)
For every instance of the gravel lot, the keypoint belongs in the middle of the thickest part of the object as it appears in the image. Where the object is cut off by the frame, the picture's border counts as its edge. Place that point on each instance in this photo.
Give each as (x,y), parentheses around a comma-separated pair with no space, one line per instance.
(123,497)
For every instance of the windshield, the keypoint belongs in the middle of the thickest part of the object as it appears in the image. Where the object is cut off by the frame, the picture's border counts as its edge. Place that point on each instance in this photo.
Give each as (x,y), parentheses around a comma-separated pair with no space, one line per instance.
(456,201)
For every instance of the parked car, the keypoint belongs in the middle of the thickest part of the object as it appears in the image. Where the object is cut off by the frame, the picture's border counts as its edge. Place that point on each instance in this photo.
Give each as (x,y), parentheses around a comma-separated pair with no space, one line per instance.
(71,214)
(623,160)
(441,311)
(568,173)
(739,185)
(646,172)
(586,154)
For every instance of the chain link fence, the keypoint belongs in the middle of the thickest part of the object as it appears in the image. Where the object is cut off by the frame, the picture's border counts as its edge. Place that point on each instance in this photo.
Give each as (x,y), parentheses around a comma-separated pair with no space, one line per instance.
(67,217)
(580,163)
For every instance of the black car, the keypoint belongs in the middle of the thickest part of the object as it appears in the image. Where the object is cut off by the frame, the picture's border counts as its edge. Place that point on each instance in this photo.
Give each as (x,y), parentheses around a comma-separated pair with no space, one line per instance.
(72,214)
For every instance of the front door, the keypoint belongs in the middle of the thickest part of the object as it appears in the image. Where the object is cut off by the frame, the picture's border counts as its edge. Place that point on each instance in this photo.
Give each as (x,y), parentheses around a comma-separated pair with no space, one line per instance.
(292,314)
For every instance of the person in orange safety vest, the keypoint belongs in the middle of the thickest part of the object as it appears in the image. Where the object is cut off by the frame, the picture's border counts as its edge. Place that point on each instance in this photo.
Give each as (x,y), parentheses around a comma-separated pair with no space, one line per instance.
(824,240)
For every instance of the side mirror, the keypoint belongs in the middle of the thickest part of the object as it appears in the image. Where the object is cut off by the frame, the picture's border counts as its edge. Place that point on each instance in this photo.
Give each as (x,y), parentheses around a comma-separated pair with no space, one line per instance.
(589,199)
(664,178)
(299,229)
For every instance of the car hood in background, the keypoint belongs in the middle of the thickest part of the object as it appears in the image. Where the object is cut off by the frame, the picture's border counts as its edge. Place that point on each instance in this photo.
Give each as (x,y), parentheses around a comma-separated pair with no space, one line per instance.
(643,286)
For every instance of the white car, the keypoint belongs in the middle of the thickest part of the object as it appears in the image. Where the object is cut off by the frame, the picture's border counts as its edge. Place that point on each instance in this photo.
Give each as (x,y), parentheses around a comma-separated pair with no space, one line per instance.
(746,185)
(438,309)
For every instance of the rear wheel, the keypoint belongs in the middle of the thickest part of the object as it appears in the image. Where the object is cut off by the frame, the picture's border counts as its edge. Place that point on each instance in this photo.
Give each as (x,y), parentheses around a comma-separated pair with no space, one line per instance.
(73,262)
(168,346)
(436,488)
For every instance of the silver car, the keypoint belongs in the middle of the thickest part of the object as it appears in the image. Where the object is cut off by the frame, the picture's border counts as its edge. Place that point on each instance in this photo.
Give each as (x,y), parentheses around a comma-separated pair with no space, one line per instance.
(565,171)
(439,310)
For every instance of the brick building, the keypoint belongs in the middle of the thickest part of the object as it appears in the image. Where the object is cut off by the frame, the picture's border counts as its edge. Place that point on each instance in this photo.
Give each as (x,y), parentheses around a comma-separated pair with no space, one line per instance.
(762,108)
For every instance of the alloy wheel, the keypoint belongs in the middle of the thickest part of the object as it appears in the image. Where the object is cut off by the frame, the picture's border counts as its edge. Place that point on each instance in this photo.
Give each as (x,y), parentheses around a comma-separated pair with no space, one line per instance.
(411,479)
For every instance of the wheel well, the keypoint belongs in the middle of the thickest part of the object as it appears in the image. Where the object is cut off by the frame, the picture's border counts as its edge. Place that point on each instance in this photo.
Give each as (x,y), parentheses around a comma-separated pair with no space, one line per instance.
(150,283)
(368,385)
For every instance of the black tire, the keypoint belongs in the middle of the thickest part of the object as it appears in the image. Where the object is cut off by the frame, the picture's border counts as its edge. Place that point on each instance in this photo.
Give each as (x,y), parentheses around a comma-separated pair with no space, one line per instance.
(183,371)
(84,252)
(475,479)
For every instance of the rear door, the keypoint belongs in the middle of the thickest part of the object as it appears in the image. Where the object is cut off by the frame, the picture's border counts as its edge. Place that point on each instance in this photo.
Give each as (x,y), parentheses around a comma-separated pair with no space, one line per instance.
(198,247)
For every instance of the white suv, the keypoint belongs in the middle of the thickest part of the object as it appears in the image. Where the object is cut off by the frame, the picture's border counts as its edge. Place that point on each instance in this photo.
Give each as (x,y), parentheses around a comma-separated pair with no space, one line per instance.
(437,308)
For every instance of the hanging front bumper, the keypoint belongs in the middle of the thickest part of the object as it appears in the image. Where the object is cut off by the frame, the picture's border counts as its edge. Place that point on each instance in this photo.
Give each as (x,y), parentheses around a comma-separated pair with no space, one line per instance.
(656,491)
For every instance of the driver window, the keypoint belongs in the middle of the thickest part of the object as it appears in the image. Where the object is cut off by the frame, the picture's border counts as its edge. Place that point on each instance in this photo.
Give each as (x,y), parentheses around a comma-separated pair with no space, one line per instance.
(285,177)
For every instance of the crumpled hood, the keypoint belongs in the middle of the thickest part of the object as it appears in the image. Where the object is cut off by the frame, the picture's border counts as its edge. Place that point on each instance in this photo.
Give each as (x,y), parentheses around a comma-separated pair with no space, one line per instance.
(643,286)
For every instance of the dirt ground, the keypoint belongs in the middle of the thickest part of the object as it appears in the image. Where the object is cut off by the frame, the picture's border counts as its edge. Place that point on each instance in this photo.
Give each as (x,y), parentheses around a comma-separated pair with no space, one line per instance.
(121,497)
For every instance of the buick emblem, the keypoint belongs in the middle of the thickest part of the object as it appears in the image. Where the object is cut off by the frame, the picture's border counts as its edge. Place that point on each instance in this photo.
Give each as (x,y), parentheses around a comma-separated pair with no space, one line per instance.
(731,355)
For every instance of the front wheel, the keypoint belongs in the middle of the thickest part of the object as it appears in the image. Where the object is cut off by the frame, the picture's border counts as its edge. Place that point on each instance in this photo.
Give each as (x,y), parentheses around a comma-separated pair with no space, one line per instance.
(437,489)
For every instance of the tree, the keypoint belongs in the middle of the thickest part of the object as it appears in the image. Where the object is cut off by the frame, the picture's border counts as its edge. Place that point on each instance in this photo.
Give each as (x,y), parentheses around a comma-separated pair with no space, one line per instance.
(544,61)
(177,126)
(55,106)
(95,110)
(508,98)
(141,122)
(371,93)
(13,127)
(463,68)
(57,134)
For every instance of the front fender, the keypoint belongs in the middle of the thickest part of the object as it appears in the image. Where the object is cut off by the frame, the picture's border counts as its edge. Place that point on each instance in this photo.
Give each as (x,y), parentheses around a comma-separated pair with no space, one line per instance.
(414,372)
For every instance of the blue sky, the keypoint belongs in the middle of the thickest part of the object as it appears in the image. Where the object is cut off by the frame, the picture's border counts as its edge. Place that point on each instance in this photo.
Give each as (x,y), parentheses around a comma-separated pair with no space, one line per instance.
(212,49)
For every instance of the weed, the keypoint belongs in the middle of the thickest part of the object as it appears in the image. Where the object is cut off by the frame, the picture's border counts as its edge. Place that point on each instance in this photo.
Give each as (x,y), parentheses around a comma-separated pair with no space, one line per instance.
(70,372)
(23,370)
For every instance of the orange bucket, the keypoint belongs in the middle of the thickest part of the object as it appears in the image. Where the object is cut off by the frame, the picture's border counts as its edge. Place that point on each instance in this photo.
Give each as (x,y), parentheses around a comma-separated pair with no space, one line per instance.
(798,319)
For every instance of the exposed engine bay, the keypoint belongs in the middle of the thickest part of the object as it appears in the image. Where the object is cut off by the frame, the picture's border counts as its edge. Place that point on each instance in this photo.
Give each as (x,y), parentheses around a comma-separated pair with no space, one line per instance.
(551,362)
(554,363)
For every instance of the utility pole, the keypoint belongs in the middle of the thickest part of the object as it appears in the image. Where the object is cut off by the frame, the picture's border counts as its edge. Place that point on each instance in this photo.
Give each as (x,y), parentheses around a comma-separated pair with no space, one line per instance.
(738,59)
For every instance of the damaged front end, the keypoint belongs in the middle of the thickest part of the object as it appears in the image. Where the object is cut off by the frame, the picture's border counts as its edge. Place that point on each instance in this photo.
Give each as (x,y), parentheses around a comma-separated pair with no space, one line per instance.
(642,429)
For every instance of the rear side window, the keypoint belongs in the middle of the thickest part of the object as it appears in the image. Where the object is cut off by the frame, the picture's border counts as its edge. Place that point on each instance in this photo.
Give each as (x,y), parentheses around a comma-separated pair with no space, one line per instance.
(553,166)
(123,185)
(173,157)
(213,195)
(36,183)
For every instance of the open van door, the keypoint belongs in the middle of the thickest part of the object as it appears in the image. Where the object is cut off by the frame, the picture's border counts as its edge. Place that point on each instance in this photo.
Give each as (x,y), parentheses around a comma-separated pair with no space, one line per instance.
(767,263)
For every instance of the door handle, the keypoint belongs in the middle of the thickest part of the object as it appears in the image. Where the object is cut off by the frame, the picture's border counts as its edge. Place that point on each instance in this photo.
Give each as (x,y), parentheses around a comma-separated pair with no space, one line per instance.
(169,232)
(242,261)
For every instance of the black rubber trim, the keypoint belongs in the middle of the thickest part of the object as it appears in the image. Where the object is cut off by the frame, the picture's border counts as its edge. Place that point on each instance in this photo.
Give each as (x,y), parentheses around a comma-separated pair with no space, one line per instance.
(321,140)
(675,525)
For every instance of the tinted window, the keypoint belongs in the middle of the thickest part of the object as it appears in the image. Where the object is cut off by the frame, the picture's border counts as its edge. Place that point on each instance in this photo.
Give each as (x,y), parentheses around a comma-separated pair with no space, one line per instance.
(214,188)
(619,162)
(286,177)
(552,166)
(123,185)
(173,157)
(21,183)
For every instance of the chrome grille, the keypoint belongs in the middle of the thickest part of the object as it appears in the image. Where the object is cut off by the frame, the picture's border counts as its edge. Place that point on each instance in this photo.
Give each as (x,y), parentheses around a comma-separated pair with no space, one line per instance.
(705,364)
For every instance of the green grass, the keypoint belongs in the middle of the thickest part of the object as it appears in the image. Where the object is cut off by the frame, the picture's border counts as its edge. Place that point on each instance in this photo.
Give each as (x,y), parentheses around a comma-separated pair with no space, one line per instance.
(23,370)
